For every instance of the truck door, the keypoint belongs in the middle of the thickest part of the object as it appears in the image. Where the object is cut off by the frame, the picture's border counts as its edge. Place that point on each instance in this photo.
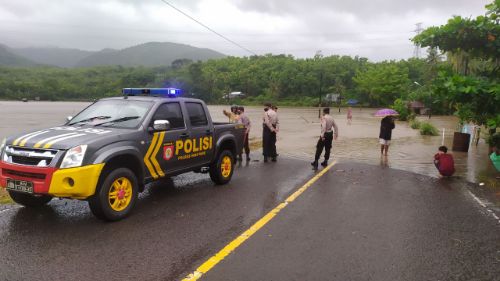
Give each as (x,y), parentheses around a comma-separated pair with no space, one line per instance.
(200,143)
(161,157)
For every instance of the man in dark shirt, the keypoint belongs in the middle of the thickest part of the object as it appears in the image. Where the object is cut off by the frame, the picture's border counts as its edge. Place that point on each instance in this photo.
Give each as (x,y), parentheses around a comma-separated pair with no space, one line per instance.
(444,162)
(386,127)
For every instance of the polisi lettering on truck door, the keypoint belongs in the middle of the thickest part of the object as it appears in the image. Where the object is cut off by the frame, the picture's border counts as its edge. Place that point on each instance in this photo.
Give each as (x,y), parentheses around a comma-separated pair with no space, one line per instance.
(191,148)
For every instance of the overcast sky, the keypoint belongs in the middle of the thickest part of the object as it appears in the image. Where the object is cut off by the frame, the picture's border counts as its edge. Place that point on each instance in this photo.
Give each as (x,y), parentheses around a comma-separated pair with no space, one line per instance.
(377,29)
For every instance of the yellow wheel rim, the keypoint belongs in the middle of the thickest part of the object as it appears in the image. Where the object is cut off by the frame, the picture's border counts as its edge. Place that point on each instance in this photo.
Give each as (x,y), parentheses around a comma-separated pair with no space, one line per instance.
(226,166)
(120,194)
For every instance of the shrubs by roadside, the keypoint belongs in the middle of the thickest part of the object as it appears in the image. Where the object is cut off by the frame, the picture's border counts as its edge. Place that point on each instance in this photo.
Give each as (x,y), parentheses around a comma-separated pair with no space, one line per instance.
(428,129)
(425,128)
(415,124)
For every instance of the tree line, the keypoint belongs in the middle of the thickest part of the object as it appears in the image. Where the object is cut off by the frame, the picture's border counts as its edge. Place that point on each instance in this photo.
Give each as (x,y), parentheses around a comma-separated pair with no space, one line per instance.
(460,75)
(276,78)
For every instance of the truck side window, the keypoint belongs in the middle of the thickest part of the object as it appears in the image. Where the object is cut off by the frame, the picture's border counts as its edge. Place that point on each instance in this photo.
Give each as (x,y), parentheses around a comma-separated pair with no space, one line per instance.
(197,115)
(171,112)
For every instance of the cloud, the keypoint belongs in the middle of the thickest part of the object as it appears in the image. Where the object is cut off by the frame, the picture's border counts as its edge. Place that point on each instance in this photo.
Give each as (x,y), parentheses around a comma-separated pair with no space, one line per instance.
(373,28)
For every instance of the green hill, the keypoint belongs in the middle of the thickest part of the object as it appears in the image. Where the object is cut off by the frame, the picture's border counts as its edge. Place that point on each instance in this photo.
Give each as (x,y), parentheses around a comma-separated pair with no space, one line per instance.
(53,56)
(149,54)
(9,58)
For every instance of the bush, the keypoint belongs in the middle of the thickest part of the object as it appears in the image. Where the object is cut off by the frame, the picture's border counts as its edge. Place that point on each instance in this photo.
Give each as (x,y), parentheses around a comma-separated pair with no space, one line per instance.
(428,129)
(412,116)
(402,108)
(415,124)
(494,140)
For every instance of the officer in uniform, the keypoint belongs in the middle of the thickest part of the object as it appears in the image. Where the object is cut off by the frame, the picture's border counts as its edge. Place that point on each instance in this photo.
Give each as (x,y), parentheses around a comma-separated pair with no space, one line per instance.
(233,115)
(270,128)
(243,119)
(328,127)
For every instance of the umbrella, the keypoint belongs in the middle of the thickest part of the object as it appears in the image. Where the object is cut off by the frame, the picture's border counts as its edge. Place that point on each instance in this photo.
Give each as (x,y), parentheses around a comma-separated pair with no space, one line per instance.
(352,102)
(386,112)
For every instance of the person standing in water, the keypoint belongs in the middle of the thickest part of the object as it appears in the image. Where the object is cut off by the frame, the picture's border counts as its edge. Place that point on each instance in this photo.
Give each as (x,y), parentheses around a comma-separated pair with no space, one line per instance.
(386,127)
(349,115)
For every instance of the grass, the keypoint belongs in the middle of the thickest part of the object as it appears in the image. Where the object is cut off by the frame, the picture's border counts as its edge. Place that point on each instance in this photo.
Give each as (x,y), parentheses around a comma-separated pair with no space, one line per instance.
(428,129)
(4,197)
(415,124)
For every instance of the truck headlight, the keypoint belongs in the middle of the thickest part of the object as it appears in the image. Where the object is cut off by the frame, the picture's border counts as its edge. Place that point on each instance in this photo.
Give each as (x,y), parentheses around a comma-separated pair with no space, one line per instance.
(74,157)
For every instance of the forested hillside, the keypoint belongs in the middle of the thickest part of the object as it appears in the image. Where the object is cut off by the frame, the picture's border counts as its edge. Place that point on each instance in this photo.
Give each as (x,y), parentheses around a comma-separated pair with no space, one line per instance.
(147,54)
(280,78)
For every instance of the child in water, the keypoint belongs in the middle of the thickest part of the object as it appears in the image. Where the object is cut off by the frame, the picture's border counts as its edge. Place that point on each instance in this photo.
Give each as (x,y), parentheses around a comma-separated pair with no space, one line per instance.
(444,162)
(349,115)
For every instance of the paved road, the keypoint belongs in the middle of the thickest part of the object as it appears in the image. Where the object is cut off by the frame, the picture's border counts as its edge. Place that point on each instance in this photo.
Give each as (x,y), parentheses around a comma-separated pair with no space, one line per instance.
(171,230)
(357,222)
(361,222)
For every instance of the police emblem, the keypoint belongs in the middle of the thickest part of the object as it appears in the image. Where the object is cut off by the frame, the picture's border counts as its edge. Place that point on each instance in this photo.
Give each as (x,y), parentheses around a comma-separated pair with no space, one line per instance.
(168,152)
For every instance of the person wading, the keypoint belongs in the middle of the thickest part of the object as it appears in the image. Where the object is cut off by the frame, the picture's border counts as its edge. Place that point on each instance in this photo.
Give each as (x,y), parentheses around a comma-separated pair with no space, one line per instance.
(386,127)
(329,131)
(270,128)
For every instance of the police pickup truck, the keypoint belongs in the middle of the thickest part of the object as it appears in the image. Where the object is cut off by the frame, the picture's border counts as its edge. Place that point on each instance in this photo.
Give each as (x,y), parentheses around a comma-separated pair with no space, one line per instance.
(108,152)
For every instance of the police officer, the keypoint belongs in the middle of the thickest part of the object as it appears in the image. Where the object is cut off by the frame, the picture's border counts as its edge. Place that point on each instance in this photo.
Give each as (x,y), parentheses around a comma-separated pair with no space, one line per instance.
(270,128)
(329,131)
(233,115)
(243,119)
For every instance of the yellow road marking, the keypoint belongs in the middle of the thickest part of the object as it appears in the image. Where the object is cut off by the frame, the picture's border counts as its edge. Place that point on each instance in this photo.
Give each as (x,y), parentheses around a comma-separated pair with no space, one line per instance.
(148,154)
(231,247)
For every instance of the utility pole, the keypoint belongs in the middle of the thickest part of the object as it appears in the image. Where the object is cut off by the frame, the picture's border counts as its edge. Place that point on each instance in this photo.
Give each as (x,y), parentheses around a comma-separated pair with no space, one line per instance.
(320,85)
(319,56)
(416,52)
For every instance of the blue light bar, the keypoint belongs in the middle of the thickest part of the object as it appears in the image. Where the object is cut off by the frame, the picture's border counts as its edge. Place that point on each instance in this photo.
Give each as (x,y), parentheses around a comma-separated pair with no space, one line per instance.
(168,92)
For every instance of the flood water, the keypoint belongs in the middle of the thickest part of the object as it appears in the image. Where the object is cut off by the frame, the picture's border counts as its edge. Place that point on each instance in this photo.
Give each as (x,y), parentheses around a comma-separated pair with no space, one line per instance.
(299,131)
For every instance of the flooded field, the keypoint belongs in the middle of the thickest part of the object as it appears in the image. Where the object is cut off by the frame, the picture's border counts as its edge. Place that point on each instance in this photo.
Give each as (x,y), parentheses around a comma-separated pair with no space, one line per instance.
(299,130)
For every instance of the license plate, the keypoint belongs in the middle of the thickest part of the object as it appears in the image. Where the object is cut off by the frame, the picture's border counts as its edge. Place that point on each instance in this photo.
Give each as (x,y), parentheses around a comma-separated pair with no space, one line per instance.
(22,186)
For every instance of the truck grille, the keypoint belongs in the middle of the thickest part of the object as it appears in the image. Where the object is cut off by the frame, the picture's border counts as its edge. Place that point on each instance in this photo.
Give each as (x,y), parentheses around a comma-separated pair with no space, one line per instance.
(7,172)
(29,156)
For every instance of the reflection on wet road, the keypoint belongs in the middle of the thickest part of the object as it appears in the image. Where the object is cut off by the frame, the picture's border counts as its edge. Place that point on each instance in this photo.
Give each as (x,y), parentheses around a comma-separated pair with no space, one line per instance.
(175,225)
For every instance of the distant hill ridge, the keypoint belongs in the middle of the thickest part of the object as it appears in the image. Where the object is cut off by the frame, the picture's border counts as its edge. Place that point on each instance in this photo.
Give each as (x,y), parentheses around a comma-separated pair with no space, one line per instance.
(9,58)
(147,54)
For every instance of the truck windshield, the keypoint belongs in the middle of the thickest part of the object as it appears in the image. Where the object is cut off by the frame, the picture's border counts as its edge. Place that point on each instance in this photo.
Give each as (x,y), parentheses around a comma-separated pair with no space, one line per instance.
(113,113)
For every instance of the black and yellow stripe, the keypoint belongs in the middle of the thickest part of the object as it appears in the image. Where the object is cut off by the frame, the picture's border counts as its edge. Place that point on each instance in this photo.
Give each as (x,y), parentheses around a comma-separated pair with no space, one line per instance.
(150,157)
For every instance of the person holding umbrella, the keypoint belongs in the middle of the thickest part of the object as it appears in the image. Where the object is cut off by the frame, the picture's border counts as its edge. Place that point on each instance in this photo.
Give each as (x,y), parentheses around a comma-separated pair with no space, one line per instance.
(386,127)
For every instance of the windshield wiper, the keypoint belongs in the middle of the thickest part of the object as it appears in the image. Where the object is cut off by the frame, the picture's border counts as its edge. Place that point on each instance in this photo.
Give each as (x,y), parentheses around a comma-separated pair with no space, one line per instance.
(90,119)
(123,119)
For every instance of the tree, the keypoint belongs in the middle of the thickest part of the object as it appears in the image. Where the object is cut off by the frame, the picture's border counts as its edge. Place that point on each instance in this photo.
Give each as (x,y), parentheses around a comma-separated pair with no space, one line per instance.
(473,47)
(383,83)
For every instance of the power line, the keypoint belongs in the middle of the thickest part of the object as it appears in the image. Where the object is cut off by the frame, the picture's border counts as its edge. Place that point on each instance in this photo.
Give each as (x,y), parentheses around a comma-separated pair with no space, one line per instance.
(210,29)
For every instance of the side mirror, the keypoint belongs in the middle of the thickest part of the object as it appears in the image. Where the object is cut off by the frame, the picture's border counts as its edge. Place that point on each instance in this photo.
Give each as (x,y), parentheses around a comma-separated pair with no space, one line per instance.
(69,118)
(161,125)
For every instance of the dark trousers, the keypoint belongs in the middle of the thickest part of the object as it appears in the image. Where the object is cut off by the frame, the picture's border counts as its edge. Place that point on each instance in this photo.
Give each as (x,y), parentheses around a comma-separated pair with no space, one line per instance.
(327,144)
(246,146)
(268,142)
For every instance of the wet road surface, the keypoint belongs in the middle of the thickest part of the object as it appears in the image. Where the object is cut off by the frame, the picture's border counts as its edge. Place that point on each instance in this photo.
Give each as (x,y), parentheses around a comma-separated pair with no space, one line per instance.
(173,227)
(357,222)
(361,222)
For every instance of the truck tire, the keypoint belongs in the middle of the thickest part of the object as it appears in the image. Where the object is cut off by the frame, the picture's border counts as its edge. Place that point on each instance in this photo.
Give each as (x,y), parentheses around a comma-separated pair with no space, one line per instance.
(115,195)
(29,200)
(221,170)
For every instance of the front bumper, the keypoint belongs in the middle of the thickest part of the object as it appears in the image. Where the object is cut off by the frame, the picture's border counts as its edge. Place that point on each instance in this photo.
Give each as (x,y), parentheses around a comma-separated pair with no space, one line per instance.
(76,183)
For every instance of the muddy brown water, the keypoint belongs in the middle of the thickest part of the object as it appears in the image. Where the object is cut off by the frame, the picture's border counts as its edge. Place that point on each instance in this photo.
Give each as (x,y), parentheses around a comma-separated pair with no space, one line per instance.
(299,131)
